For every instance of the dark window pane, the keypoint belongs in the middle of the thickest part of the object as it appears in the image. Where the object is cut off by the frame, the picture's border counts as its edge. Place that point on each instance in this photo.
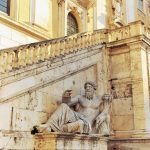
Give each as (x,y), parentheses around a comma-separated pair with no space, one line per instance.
(3,3)
(4,9)
(72,25)
(4,6)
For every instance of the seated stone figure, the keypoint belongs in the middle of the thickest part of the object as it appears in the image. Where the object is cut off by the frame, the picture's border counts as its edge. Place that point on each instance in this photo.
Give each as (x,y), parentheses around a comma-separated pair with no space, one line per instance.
(82,114)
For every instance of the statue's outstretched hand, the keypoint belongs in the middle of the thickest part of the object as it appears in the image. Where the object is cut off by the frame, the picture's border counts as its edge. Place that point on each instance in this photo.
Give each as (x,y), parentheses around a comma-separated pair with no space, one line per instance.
(66,97)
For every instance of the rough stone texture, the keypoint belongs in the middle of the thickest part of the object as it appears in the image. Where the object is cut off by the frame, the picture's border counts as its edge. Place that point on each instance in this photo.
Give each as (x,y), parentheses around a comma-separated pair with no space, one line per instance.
(129,144)
(70,142)
(16,141)
(52,141)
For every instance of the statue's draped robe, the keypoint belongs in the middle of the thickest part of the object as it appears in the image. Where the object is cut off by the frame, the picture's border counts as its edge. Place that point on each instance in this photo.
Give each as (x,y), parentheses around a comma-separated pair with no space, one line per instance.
(65,115)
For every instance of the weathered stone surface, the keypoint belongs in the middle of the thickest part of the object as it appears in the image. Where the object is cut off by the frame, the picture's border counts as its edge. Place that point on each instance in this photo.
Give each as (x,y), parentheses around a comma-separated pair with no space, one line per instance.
(129,144)
(70,142)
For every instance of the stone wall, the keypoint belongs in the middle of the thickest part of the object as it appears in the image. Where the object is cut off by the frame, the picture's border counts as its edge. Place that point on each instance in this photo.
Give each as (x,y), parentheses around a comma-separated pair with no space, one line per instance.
(121,87)
(129,144)
(11,37)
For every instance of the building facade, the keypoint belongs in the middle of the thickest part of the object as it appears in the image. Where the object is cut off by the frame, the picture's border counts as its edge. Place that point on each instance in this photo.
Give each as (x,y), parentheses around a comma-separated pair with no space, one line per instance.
(23,22)
(48,46)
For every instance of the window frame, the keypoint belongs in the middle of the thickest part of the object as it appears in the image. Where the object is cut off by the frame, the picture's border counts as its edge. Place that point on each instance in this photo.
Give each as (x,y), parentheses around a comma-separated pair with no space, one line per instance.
(140,4)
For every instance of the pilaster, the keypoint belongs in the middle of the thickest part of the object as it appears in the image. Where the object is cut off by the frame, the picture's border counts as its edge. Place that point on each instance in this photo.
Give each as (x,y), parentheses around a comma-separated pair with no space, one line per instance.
(140,86)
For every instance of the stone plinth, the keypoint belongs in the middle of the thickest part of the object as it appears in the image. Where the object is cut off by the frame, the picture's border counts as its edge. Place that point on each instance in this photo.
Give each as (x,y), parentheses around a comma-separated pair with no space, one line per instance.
(61,141)
(51,141)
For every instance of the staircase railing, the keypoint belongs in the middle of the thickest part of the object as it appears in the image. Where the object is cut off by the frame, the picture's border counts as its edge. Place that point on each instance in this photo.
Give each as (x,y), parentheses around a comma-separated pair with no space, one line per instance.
(22,56)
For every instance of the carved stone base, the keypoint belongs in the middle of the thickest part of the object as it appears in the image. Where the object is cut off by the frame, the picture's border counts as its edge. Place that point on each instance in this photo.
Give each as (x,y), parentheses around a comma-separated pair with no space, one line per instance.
(61,141)
(51,141)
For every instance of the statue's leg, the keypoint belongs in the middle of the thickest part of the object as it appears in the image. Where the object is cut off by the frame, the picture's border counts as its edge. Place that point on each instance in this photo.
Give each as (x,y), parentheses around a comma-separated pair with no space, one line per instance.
(74,127)
(62,115)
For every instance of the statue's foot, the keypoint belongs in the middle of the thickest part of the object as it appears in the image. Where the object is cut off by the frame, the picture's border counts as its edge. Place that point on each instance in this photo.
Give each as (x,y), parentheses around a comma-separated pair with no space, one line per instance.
(43,128)
(34,130)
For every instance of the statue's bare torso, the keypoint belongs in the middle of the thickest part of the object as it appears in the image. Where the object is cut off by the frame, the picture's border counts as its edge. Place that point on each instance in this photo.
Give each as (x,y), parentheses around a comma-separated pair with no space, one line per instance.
(90,109)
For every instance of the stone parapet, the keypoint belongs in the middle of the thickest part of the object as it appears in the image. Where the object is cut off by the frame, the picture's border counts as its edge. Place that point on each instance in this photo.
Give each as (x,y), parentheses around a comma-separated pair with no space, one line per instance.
(25,55)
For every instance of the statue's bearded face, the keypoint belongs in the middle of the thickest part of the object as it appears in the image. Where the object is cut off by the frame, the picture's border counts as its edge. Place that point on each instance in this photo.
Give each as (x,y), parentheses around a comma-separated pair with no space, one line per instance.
(89,91)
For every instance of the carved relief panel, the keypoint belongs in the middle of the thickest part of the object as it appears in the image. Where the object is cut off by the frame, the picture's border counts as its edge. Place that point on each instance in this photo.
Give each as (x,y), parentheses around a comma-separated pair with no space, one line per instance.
(121,90)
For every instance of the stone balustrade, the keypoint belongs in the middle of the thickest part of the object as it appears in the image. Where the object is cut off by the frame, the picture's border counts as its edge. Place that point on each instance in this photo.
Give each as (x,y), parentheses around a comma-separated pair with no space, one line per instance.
(18,57)
(131,30)
(22,56)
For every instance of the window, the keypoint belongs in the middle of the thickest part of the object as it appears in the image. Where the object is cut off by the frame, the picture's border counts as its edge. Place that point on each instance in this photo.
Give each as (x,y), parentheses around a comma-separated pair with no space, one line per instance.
(5,6)
(72,25)
(140,4)
(40,13)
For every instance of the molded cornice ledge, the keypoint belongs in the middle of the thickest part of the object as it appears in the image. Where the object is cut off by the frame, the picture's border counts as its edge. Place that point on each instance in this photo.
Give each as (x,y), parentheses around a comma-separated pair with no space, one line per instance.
(27,29)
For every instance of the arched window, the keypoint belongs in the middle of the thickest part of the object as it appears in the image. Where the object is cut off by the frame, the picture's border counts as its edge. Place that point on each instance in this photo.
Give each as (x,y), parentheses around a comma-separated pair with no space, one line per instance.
(72,25)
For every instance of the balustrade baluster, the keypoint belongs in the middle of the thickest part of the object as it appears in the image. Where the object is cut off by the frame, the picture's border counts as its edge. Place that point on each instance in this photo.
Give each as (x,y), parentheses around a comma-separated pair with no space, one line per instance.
(53,49)
(42,52)
(57,51)
(46,51)
(90,40)
(62,47)
(66,46)
(69,45)
(75,44)
(10,60)
(27,56)
(37,52)
(15,60)
(72,44)
(99,37)
(31,50)
(49,50)
(3,62)
(21,58)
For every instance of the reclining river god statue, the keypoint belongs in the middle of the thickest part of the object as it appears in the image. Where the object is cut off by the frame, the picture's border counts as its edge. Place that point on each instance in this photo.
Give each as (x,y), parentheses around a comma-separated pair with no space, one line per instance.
(82,114)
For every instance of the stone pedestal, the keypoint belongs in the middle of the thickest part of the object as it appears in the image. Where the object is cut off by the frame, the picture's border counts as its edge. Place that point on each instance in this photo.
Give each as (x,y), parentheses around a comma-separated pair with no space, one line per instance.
(59,141)
(52,141)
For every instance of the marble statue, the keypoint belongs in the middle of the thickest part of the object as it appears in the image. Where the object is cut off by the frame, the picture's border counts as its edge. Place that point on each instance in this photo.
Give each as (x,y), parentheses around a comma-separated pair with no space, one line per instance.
(85,113)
